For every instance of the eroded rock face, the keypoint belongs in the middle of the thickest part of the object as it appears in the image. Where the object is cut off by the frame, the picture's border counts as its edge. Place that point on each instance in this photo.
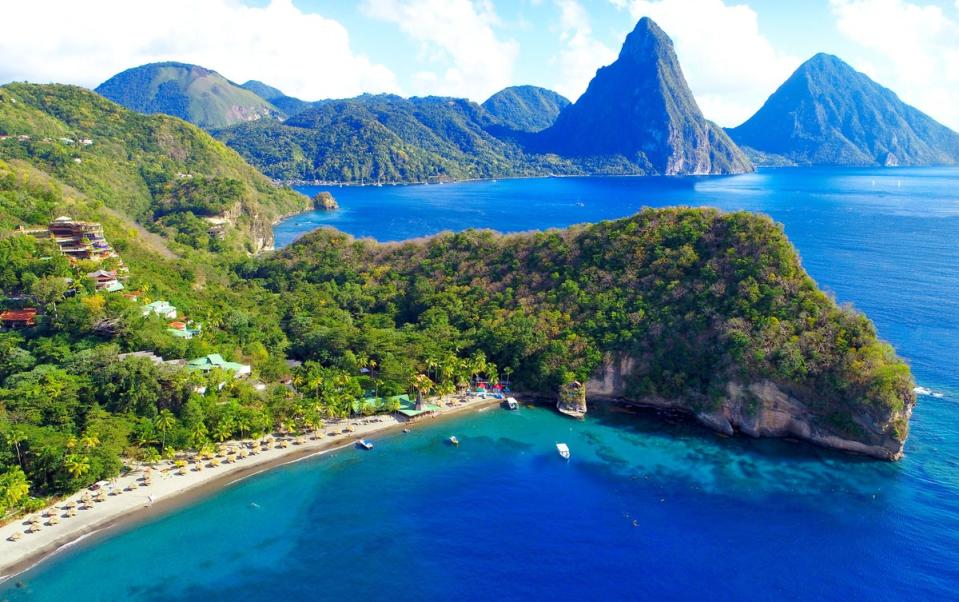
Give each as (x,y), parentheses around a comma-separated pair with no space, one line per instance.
(572,399)
(764,409)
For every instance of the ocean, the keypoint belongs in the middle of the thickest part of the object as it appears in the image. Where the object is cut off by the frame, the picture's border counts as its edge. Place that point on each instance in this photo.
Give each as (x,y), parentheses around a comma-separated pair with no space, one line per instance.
(650,505)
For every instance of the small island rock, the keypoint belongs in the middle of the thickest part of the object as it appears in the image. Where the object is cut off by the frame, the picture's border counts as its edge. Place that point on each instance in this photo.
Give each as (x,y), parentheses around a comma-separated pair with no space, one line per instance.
(572,399)
(324,201)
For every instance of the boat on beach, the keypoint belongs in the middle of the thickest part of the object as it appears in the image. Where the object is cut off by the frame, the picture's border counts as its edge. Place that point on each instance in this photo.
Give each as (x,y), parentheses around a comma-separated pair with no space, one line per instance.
(365,444)
(454,441)
(563,450)
(511,403)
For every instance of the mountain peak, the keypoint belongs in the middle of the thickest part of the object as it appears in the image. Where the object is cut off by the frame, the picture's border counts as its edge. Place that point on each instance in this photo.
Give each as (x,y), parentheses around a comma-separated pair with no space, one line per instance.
(827,113)
(640,109)
(645,41)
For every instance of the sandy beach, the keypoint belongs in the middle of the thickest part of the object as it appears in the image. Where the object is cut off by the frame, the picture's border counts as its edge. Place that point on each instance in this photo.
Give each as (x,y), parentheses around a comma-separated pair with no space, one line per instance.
(146,491)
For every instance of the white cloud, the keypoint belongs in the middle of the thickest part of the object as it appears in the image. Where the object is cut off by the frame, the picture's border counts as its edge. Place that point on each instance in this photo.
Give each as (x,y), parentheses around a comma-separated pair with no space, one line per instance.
(580,54)
(911,48)
(459,42)
(730,66)
(304,55)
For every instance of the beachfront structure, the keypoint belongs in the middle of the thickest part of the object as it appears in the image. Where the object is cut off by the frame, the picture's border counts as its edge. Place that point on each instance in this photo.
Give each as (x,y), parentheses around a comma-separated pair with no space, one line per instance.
(215,360)
(160,308)
(19,318)
(407,406)
(105,281)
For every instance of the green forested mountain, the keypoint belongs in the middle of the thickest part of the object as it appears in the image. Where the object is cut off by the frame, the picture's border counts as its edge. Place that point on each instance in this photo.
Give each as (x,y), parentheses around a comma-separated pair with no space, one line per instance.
(525,108)
(154,171)
(287,104)
(190,92)
(640,109)
(385,138)
(827,113)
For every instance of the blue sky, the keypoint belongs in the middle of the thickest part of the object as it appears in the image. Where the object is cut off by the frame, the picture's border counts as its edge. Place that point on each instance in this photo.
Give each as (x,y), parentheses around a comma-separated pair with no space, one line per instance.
(734,52)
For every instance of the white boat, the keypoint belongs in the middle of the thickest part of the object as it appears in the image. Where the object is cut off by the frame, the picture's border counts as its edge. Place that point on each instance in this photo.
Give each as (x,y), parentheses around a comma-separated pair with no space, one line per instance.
(453,440)
(563,450)
(511,403)
(365,444)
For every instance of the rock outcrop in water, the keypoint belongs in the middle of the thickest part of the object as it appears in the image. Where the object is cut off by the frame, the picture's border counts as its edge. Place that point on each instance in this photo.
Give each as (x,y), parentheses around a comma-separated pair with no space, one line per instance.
(572,399)
(324,201)
(762,409)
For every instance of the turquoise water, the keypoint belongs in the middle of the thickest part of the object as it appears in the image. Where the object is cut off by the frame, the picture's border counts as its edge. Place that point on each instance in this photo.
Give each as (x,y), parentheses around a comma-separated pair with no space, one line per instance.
(503,517)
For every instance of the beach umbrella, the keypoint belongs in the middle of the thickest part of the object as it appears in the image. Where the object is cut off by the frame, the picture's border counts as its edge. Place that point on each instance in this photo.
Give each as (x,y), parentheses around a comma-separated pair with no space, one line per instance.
(72,512)
(101,496)
(54,520)
(299,440)
(70,504)
(15,536)
(214,462)
(182,470)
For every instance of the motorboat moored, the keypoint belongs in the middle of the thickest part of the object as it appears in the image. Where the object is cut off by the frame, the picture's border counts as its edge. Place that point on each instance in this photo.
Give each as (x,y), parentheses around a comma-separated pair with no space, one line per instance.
(563,450)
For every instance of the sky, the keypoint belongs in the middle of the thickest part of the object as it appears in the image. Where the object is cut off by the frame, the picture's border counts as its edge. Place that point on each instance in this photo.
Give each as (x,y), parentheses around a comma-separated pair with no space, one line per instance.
(734,53)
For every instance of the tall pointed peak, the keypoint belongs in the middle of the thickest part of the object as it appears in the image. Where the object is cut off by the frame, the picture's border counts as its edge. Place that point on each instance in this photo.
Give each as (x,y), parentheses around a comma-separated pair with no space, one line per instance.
(647,39)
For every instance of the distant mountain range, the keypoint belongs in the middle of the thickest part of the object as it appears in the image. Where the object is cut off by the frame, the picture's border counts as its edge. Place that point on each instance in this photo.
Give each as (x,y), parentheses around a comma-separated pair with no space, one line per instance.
(827,113)
(196,94)
(638,116)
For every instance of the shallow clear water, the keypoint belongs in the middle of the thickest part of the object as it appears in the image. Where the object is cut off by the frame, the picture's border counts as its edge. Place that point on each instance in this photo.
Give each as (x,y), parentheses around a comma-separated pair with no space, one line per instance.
(503,517)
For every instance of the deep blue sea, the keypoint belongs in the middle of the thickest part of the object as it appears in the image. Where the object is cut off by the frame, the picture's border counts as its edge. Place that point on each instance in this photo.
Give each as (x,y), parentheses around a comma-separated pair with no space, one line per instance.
(649,507)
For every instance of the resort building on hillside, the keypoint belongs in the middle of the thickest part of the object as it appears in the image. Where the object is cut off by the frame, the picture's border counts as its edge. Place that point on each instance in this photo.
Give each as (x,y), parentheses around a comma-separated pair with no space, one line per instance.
(160,308)
(184,330)
(80,240)
(105,281)
(19,318)
(148,355)
(214,361)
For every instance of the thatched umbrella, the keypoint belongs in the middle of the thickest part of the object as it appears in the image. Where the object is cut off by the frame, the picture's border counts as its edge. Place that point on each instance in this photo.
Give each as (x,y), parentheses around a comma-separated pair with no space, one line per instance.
(214,462)
(72,512)
(54,520)
(101,496)
(243,454)
(283,444)
(181,470)
(300,440)
(15,536)
(70,505)
(34,525)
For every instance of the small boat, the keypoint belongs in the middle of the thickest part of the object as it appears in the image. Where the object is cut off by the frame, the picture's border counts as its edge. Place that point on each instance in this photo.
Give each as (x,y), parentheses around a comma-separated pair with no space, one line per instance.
(407,430)
(563,450)
(453,440)
(511,403)
(365,444)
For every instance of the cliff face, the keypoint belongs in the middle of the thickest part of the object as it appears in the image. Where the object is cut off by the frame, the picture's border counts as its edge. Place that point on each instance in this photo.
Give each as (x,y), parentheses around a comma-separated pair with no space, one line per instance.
(763,409)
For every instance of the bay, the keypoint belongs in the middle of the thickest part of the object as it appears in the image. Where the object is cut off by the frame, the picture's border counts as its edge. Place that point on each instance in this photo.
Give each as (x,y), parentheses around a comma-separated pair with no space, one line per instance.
(650,505)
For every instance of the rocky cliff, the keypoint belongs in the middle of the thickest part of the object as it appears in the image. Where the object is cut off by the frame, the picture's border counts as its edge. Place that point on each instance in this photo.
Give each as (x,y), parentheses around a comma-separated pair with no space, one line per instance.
(764,409)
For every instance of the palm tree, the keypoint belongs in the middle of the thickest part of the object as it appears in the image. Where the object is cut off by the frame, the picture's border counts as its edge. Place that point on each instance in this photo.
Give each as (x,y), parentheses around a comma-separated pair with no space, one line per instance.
(76,465)
(164,422)
(223,431)
(89,441)
(15,437)
(422,385)
(507,372)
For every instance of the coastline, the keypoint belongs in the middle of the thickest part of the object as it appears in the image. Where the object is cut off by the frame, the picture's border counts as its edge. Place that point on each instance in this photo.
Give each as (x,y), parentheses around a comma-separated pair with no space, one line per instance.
(171,491)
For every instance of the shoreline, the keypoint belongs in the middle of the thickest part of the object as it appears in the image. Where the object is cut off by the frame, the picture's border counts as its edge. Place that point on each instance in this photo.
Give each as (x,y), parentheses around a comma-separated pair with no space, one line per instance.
(172,491)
